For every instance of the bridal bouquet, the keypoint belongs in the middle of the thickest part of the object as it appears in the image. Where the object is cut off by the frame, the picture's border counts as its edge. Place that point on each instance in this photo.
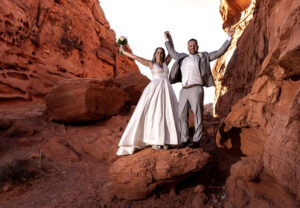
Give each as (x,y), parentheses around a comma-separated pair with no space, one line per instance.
(122,40)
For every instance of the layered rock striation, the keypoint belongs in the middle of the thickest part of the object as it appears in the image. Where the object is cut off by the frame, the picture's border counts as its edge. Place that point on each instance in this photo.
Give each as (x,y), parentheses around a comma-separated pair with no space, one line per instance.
(45,41)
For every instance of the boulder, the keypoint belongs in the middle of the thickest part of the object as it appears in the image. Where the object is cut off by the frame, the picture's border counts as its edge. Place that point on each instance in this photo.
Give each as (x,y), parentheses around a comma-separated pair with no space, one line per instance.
(138,175)
(134,84)
(80,100)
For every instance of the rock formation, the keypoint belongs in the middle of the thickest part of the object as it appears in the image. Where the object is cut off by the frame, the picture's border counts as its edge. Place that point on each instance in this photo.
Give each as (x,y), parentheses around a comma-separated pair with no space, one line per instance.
(87,99)
(138,175)
(77,100)
(21,120)
(258,93)
(45,41)
(227,94)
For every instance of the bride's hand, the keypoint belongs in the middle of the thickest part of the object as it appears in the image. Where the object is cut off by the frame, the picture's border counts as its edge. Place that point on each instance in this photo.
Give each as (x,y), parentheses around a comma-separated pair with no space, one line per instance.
(122,51)
(167,35)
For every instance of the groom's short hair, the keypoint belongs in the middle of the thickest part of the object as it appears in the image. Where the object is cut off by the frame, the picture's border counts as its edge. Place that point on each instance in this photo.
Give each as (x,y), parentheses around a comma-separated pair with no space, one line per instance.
(192,39)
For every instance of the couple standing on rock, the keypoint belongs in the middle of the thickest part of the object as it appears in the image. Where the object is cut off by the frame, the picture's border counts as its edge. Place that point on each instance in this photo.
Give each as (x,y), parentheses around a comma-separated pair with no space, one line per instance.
(158,119)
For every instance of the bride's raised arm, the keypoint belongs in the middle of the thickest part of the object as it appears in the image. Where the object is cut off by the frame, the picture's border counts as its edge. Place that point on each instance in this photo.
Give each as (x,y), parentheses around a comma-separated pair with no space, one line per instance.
(169,57)
(143,61)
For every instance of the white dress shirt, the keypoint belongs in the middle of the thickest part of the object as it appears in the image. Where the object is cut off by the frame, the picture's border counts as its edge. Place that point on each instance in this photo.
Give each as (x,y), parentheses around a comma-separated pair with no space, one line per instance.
(190,70)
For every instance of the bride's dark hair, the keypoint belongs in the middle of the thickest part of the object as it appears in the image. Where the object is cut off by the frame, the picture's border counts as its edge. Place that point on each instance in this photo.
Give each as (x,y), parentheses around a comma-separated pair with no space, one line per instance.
(154,59)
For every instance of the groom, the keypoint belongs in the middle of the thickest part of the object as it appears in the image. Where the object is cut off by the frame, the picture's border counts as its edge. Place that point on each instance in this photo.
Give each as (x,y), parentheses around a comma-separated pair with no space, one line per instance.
(194,72)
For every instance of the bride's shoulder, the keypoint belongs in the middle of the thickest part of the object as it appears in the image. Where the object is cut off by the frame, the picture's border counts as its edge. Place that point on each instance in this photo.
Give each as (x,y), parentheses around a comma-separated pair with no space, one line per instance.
(151,65)
(165,66)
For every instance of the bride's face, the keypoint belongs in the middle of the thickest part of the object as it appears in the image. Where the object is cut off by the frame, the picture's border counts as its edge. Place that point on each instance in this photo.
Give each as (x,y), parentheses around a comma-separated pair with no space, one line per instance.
(159,55)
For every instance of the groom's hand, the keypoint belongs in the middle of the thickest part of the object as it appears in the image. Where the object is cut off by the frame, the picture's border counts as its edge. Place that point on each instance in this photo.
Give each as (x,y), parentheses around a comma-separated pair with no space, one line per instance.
(230,31)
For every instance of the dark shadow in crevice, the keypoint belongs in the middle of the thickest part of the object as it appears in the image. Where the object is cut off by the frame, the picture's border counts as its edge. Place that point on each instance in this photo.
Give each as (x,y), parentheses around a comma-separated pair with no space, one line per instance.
(232,141)
(295,77)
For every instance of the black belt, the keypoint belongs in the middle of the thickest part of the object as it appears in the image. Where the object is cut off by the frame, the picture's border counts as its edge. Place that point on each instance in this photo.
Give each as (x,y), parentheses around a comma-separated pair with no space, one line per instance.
(190,86)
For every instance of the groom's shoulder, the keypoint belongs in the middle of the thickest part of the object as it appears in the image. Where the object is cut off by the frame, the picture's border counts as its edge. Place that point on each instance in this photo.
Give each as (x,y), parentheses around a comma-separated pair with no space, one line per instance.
(183,55)
(202,54)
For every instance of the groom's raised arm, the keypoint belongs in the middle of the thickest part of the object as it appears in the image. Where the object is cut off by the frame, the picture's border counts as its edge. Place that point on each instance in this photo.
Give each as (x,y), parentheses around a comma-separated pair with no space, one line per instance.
(170,46)
(217,54)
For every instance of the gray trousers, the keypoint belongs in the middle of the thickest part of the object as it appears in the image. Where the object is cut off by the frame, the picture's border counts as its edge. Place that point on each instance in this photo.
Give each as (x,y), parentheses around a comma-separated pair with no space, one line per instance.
(191,98)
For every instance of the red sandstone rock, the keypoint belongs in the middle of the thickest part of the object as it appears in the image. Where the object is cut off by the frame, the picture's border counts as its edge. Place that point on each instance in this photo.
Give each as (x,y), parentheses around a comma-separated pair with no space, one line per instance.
(228,93)
(262,107)
(6,187)
(103,149)
(134,84)
(85,100)
(247,184)
(43,42)
(138,175)
(200,198)
(231,11)
(21,121)
(59,150)
(246,169)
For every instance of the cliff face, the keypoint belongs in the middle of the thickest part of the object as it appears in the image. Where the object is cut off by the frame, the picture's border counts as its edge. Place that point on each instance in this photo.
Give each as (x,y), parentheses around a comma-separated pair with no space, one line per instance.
(44,41)
(228,92)
(258,92)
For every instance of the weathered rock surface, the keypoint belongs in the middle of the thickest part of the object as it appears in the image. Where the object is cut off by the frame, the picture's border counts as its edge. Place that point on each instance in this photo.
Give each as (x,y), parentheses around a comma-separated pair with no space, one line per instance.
(262,108)
(43,42)
(233,11)
(137,176)
(21,121)
(77,100)
(228,93)
(90,99)
(59,150)
(133,83)
(248,183)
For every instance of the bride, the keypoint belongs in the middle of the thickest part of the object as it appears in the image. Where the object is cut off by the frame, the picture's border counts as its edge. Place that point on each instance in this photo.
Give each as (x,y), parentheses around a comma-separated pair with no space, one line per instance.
(155,119)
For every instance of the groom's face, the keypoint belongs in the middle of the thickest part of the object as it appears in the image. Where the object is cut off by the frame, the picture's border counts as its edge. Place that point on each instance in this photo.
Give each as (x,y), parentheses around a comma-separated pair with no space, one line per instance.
(193,47)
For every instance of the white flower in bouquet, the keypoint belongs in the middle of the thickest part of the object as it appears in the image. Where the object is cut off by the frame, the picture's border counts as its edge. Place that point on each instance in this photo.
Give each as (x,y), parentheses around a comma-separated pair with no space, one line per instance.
(122,40)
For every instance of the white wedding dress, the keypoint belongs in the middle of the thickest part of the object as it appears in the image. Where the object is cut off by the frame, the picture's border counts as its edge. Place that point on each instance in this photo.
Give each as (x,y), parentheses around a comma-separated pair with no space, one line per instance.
(155,118)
